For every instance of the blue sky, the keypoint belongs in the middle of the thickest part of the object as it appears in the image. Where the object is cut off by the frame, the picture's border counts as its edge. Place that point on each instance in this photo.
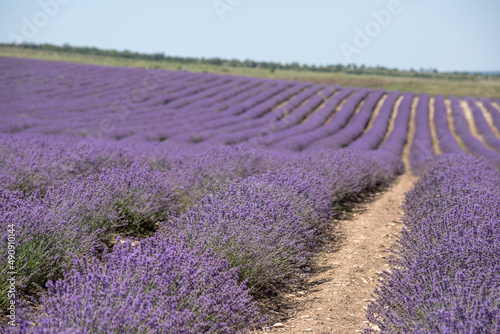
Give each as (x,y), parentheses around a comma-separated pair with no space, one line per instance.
(447,35)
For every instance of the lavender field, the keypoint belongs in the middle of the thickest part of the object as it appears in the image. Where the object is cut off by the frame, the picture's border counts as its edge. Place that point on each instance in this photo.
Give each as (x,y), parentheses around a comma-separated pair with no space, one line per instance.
(152,201)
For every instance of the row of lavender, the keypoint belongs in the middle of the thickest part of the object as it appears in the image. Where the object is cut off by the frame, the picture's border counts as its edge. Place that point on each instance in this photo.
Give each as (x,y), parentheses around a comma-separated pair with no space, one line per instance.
(146,104)
(444,275)
(120,103)
(76,194)
(462,140)
(229,220)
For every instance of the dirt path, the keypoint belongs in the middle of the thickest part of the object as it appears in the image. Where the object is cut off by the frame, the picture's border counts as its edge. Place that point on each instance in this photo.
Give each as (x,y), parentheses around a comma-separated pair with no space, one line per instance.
(336,298)
(392,119)
(496,105)
(375,113)
(432,127)
(349,267)
(489,118)
(451,124)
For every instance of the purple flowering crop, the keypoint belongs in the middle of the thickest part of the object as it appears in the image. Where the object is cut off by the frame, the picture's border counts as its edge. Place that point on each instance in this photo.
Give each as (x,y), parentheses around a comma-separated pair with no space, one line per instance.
(444,275)
(355,127)
(447,143)
(258,225)
(494,112)
(46,240)
(156,287)
(396,140)
(421,147)
(375,135)
(482,125)
(473,144)
(241,175)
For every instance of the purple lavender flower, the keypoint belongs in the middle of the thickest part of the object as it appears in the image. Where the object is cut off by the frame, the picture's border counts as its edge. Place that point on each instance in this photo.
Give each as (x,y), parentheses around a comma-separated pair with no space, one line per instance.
(156,286)
(444,273)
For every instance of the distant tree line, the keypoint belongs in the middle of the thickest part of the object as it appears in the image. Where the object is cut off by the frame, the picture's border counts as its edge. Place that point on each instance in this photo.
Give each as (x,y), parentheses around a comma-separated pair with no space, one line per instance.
(271,66)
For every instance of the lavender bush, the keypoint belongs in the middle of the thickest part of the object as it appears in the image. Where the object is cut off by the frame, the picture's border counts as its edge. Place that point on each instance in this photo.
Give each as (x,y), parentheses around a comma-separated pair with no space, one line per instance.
(494,112)
(46,240)
(482,125)
(263,224)
(337,122)
(86,151)
(349,174)
(421,147)
(447,142)
(71,218)
(444,275)
(471,143)
(154,287)
(375,135)
(197,170)
(269,224)
(36,162)
(356,125)
(397,139)
(134,197)
(281,118)
(282,130)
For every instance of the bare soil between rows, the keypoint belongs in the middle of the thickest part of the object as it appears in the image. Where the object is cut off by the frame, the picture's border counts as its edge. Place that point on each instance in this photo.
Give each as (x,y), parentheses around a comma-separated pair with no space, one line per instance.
(334,298)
